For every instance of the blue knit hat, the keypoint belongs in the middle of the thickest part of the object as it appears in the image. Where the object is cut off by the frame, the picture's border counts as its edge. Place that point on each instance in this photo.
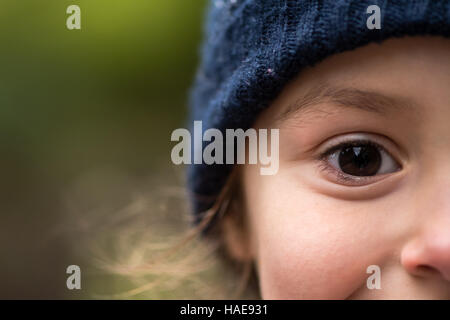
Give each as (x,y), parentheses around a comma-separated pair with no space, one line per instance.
(252,48)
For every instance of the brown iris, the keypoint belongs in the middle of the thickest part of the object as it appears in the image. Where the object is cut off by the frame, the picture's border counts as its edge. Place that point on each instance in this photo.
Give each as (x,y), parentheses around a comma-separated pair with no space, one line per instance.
(362,160)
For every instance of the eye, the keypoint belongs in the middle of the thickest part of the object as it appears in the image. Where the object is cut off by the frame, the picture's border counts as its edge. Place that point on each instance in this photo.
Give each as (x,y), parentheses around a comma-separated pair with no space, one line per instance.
(359,159)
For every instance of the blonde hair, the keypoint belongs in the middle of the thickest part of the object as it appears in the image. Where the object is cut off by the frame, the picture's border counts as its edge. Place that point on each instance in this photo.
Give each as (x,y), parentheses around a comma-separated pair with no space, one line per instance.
(185,262)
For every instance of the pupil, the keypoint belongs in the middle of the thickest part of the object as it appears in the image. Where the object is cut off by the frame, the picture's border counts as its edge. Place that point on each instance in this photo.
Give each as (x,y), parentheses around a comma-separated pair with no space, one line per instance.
(360,160)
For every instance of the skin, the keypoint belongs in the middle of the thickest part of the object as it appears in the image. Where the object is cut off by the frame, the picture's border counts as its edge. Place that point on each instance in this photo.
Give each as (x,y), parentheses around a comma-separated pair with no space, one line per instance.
(311,235)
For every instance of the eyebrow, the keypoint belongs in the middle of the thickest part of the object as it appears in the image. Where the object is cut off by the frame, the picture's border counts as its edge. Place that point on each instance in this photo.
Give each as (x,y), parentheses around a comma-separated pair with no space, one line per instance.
(369,101)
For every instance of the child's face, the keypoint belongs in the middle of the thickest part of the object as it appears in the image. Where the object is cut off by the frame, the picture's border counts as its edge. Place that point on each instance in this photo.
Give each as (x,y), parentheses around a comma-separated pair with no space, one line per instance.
(382,198)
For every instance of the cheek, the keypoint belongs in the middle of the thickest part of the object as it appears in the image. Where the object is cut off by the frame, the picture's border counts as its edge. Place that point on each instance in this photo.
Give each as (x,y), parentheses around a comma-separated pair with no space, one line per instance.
(309,246)
(301,257)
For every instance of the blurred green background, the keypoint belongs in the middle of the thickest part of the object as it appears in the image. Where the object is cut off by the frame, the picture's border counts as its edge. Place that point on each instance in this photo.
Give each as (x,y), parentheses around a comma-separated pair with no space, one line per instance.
(85,123)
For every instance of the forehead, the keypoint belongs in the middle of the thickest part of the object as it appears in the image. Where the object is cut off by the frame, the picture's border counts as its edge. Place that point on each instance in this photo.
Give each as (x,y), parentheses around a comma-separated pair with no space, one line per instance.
(412,72)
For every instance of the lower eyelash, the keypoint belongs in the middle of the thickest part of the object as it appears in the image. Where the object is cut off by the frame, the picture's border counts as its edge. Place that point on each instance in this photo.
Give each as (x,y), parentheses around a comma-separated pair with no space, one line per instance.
(340,176)
(324,166)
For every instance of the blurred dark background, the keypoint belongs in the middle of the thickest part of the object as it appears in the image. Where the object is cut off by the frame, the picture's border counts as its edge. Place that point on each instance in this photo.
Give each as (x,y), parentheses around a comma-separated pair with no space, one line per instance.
(85,121)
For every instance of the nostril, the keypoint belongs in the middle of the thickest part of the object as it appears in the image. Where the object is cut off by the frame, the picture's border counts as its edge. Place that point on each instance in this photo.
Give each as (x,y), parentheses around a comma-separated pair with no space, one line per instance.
(424,269)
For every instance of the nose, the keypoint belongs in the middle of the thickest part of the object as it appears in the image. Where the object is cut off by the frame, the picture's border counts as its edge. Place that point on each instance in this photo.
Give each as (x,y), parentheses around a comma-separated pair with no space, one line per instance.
(428,254)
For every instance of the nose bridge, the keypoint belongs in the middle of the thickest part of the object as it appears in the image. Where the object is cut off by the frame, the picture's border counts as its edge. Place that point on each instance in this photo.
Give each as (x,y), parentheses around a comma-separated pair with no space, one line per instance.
(427,250)
(435,207)
(432,190)
(438,200)
(429,247)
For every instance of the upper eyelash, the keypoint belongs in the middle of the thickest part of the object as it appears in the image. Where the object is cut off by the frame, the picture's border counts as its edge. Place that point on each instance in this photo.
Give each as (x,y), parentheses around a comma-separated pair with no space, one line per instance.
(350,143)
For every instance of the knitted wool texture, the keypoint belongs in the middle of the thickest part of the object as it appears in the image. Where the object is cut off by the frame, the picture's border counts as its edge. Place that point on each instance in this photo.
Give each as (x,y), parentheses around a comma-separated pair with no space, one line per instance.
(252,48)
